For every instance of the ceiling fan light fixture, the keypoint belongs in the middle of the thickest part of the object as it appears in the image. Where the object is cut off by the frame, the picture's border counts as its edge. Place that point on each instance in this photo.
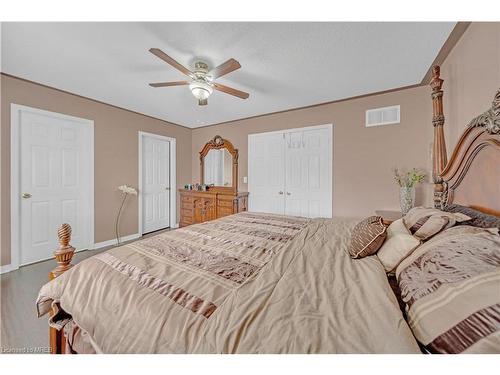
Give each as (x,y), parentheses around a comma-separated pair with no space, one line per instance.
(201,90)
(201,81)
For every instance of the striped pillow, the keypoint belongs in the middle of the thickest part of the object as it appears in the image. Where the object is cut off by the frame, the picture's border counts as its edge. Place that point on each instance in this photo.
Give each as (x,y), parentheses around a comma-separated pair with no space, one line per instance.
(424,223)
(451,286)
(367,237)
(478,218)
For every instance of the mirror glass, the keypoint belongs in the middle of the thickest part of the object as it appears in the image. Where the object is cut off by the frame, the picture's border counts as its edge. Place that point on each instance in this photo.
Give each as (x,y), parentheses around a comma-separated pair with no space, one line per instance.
(218,168)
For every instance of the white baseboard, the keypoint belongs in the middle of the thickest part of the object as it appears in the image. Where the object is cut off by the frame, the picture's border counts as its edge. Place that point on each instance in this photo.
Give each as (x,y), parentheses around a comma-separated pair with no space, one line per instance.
(100,245)
(176,225)
(7,268)
(11,267)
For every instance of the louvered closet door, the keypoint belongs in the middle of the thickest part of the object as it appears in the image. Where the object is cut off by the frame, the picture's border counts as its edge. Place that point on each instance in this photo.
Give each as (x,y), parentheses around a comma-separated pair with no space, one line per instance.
(266,177)
(308,173)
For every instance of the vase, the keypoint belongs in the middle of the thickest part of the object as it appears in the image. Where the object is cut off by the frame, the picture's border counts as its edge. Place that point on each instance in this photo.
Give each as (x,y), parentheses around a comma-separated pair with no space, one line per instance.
(406,198)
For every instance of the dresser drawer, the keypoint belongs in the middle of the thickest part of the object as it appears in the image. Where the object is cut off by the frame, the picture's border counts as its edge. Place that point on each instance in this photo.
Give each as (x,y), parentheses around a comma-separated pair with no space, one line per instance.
(186,213)
(186,199)
(187,220)
(187,205)
(225,203)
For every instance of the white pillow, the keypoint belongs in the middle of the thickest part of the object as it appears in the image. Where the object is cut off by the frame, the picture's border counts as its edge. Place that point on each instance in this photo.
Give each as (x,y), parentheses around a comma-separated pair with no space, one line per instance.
(397,227)
(397,246)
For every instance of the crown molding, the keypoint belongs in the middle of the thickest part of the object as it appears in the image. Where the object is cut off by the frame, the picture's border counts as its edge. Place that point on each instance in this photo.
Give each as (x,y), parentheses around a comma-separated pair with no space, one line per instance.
(93,100)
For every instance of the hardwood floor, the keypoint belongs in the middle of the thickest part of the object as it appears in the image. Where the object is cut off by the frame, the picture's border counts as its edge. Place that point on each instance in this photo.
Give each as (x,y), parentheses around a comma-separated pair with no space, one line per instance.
(21,330)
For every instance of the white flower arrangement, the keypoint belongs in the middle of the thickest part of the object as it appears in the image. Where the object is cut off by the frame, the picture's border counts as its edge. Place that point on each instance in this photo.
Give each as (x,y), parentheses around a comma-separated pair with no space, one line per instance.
(408,179)
(127,189)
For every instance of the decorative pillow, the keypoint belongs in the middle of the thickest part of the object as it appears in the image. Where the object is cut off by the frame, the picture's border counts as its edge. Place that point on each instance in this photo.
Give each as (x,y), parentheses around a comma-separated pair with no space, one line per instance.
(424,223)
(397,246)
(478,218)
(462,230)
(367,237)
(450,286)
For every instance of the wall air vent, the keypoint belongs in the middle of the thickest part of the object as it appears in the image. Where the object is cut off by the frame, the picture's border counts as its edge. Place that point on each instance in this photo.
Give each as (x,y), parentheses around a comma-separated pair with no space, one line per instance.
(383,116)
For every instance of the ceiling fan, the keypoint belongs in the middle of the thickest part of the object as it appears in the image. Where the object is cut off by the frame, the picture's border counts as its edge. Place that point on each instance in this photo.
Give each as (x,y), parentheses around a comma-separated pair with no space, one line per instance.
(201,81)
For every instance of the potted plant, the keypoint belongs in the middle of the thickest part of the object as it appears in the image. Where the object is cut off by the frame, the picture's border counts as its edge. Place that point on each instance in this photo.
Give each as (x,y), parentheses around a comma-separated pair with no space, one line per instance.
(407,182)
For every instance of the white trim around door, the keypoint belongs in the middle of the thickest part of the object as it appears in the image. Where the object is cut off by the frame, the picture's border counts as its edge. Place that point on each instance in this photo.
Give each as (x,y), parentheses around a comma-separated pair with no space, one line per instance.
(173,178)
(15,178)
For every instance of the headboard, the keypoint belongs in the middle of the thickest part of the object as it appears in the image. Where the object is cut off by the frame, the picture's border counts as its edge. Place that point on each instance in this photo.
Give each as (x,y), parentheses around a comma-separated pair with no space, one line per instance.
(472,175)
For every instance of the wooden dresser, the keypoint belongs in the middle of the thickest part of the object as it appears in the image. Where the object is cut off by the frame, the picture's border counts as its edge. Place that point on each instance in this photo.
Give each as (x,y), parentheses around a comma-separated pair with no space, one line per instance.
(201,206)
(219,171)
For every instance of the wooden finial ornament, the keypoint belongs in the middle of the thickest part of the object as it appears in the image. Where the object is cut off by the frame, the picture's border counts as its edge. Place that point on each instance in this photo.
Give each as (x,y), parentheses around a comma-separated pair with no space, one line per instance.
(65,252)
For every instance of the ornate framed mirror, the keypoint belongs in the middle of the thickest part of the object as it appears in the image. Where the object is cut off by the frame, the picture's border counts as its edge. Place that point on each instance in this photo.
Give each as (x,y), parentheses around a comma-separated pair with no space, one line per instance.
(219,165)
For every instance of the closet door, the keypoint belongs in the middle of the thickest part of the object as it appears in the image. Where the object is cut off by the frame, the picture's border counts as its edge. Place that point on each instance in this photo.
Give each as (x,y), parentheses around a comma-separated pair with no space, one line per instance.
(308,173)
(266,173)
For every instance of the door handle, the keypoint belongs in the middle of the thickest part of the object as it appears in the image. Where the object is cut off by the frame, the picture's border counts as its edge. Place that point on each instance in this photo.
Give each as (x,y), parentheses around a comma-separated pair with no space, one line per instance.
(26,195)
(280,193)
(288,193)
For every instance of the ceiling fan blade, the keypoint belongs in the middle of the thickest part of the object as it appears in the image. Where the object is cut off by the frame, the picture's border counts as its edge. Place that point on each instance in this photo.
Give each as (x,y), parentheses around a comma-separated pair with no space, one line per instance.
(165,84)
(231,91)
(225,68)
(162,55)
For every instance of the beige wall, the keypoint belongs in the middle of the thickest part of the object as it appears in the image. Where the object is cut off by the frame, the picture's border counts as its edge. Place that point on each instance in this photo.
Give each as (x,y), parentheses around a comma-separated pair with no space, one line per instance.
(363,157)
(471,74)
(116,150)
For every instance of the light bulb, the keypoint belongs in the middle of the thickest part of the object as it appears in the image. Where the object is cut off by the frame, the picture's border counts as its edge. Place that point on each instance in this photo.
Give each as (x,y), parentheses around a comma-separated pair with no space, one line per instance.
(200,90)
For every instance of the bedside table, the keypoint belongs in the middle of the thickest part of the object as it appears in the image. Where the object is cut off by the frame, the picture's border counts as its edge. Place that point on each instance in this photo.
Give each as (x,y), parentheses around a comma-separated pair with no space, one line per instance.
(389,216)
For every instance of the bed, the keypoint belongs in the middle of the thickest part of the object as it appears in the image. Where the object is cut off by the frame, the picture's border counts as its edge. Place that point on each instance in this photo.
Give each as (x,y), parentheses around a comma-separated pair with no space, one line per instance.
(246,283)
(257,283)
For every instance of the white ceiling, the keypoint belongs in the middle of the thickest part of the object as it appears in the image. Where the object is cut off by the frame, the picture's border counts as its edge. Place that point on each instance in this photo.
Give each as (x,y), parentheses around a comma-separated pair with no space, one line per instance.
(284,65)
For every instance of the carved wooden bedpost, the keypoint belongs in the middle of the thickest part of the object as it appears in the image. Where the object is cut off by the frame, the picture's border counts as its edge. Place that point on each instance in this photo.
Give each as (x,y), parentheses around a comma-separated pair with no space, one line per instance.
(65,252)
(63,257)
(439,149)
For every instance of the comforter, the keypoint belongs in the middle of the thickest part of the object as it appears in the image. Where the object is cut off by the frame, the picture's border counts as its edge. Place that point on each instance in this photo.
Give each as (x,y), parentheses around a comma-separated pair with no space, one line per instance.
(246,283)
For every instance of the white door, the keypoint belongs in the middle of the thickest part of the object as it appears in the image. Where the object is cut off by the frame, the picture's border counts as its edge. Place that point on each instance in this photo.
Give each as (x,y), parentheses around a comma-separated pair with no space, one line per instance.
(290,172)
(308,173)
(266,178)
(155,193)
(56,182)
